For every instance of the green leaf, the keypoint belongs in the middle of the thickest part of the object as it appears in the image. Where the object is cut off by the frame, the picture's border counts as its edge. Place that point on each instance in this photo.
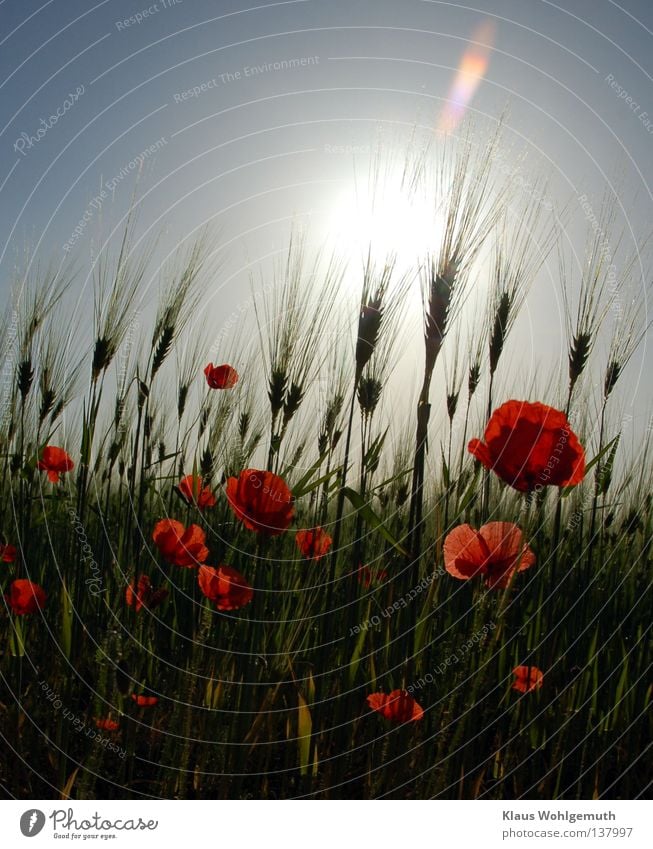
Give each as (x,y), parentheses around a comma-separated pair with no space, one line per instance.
(604,471)
(354,663)
(309,474)
(85,450)
(16,638)
(68,786)
(304,730)
(372,519)
(423,621)
(305,485)
(392,479)
(470,493)
(621,687)
(66,622)
(445,468)
(162,460)
(567,490)
(373,453)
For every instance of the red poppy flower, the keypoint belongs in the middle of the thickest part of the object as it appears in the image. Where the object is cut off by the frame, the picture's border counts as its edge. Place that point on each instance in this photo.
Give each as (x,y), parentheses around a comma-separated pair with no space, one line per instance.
(25,597)
(55,462)
(145,595)
(399,706)
(527,678)
(530,446)
(194,493)
(221,377)
(225,587)
(366,576)
(261,500)
(7,553)
(496,551)
(144,701)
(314,543)
(107,724)
(180,545)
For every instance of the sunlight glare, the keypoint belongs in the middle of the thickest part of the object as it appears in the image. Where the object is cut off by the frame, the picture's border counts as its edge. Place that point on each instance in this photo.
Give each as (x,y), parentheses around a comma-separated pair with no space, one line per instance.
(390,221)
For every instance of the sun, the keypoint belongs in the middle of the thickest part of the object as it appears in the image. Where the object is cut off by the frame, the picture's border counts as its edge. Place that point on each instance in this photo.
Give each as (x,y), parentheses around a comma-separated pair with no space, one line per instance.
(386,220)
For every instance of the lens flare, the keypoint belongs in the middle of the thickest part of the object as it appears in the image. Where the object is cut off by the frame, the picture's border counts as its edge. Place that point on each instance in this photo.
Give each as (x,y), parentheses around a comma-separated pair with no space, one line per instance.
(472,69)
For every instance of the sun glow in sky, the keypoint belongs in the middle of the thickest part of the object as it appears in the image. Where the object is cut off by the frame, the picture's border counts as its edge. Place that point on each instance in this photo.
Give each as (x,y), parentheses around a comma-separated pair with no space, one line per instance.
(387,221)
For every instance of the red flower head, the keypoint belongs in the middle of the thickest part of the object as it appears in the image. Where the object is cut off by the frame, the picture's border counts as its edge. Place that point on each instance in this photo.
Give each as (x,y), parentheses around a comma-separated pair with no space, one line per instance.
(261,500)
(107,724)
(225,587)
(530,446)
(180,545)
(366,576)
(25,597)
(145,595)
(144,701)
(496,551)
(221,377)
(55,462)
(399,706)
(313,544)
(192,490)
(527,678)
(7,553)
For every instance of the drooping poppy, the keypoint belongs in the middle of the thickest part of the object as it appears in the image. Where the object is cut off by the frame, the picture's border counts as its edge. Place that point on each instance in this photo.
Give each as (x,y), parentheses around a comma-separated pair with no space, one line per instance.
(261,500)
(530,446)
(7,553)
(313,543)
(55,462)
(221,377)
(25,597)
(107,724)
(143,700)
(496,551)
(180,545)
(398,707)
(192,489)
(368,577)
(527,678)
(225,587)
(145,595)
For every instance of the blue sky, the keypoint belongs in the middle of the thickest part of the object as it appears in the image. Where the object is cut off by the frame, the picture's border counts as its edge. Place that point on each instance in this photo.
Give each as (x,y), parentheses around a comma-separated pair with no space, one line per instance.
(250,150)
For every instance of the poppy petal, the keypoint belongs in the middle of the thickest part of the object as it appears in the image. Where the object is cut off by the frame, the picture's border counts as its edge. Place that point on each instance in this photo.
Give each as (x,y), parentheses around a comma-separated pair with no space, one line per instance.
(464,552)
